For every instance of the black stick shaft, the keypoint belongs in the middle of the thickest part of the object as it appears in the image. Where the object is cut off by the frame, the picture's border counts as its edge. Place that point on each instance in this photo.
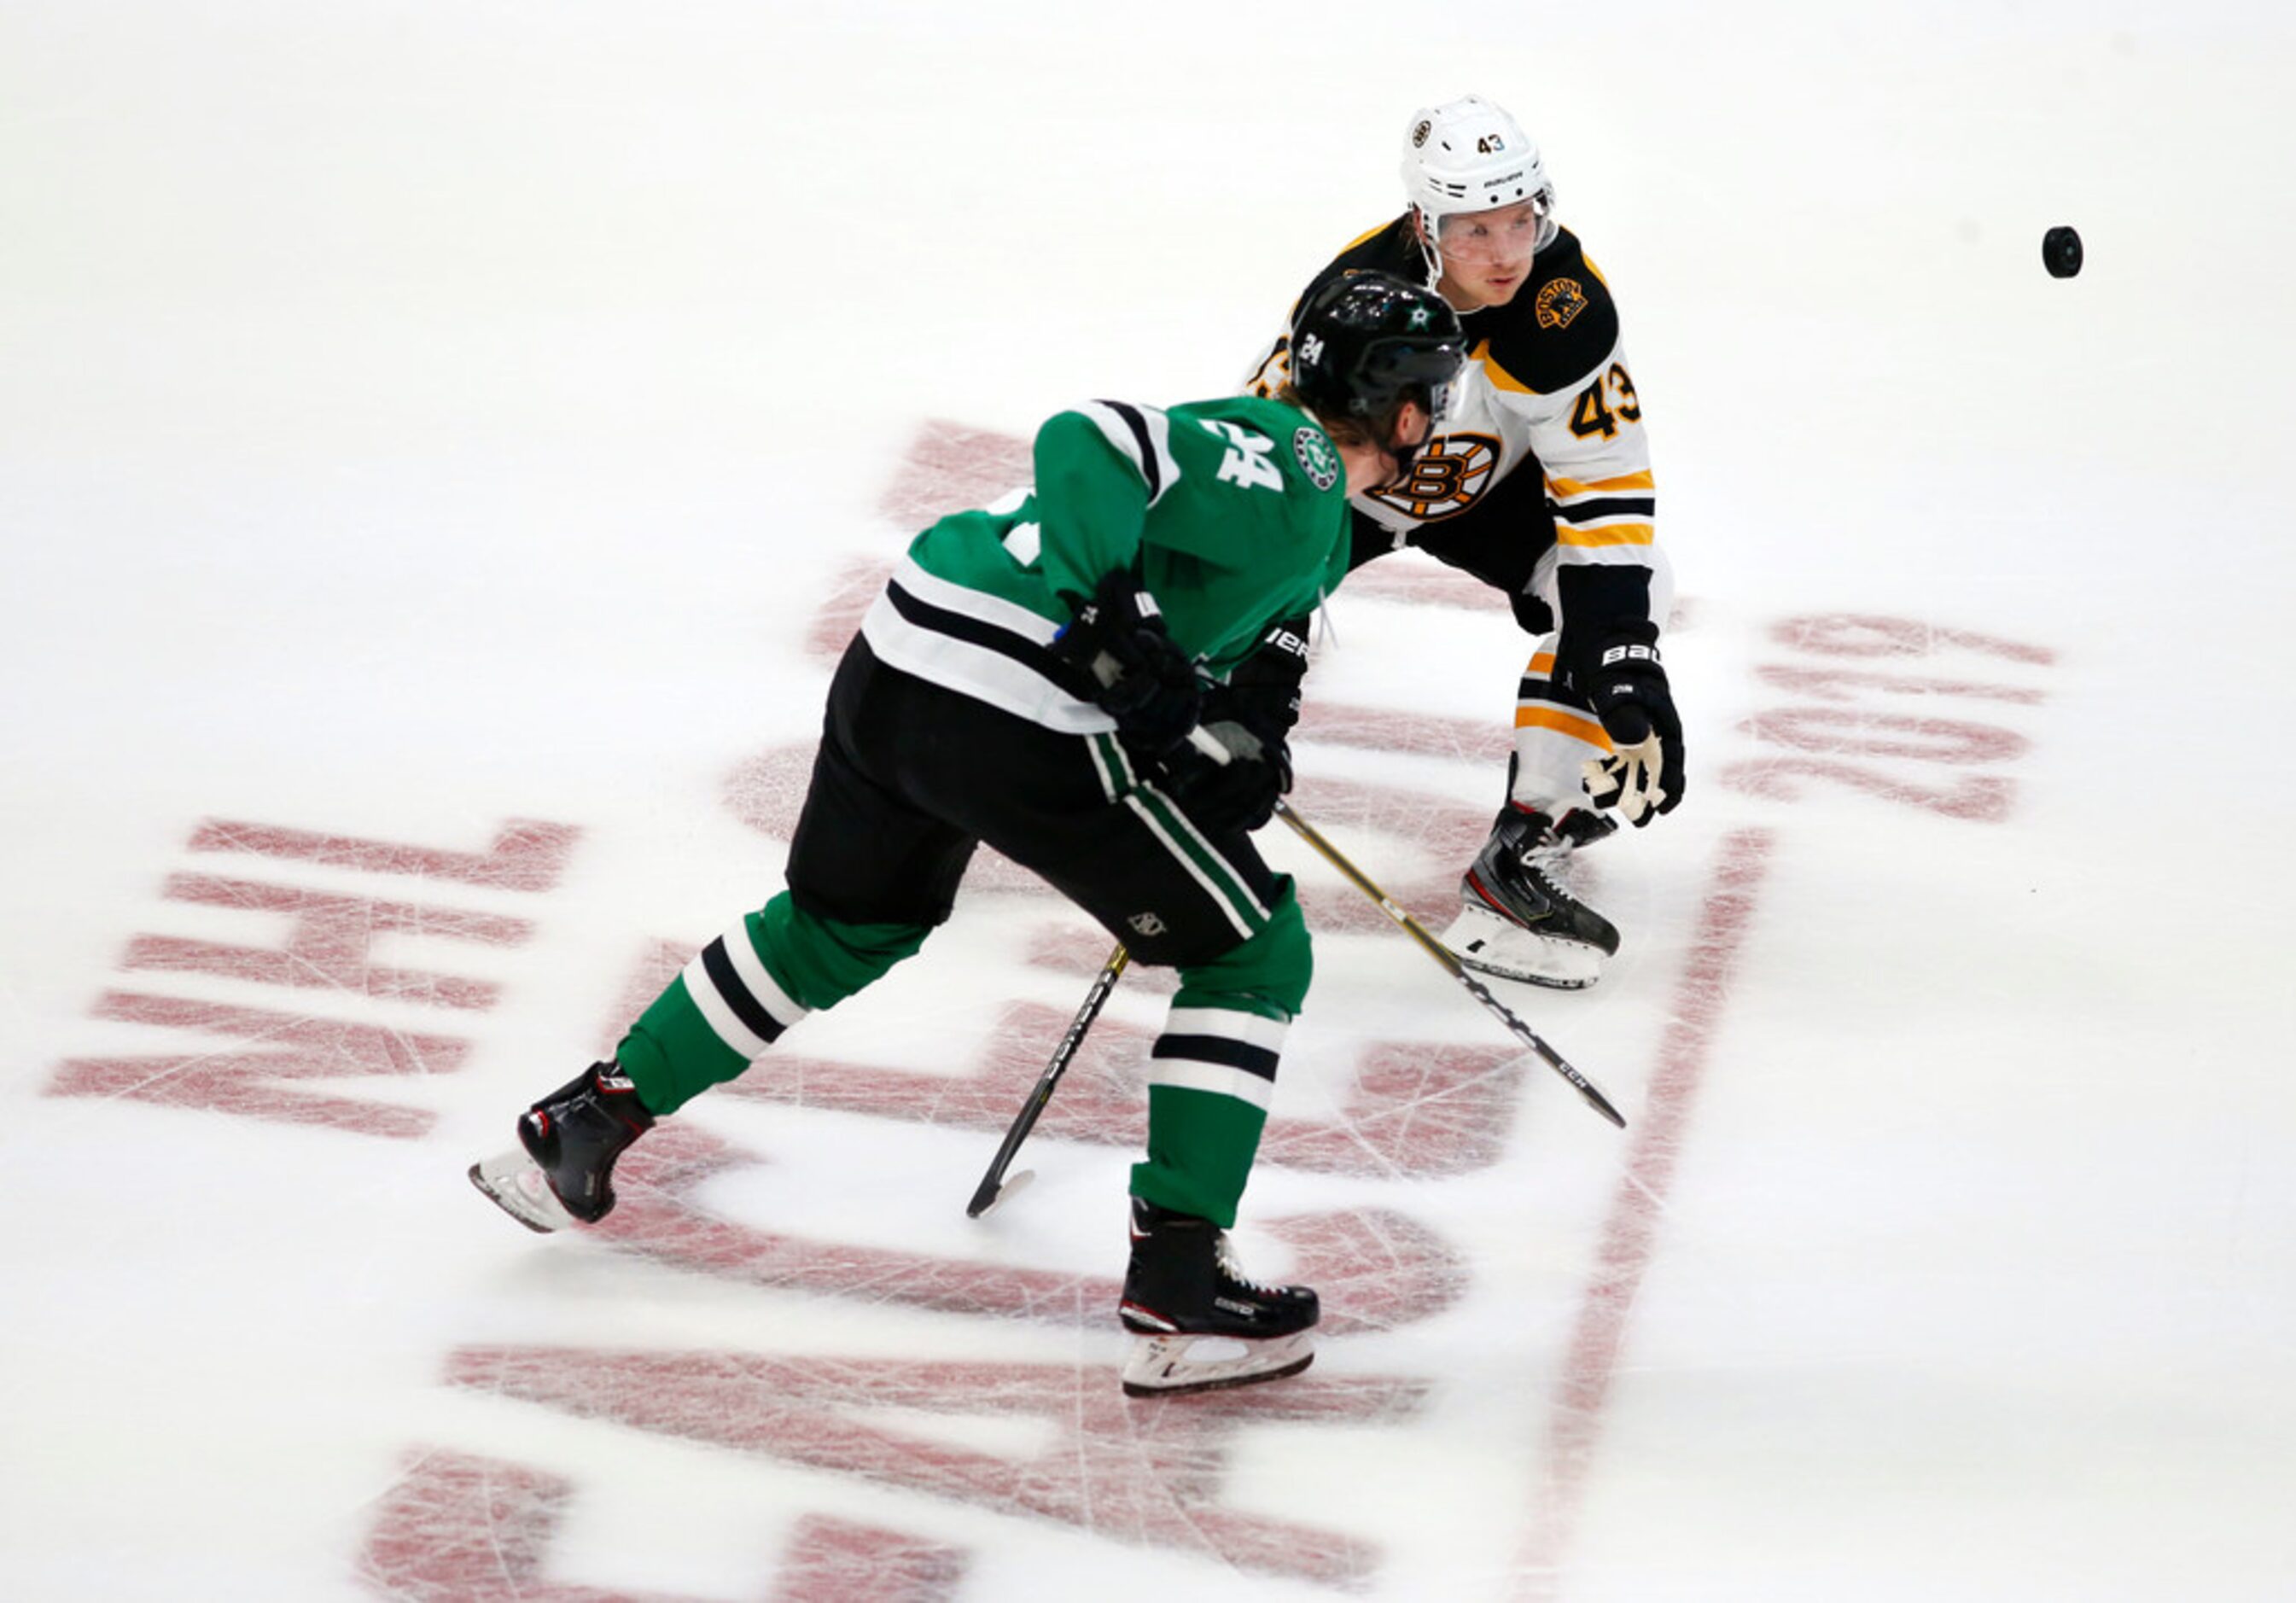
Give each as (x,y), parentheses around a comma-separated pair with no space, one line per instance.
(1041,1094)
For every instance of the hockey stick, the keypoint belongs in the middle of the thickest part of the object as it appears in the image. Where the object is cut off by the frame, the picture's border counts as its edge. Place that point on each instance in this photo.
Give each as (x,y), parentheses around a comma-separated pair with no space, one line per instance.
(993,1187)
(1451,964)
(1210,747)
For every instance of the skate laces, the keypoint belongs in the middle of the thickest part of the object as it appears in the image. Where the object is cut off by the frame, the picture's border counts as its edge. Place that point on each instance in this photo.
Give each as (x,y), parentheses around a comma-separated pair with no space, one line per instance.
(1545,863)
(1544,848)
(1542,856)
(1224,1255)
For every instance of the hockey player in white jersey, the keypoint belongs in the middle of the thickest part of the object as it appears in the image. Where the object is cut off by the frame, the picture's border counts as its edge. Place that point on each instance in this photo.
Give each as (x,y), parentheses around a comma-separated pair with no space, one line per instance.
(1537,481)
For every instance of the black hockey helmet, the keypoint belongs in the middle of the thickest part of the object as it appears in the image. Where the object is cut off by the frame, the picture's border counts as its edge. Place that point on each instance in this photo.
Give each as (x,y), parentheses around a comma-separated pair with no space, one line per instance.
(1366,342)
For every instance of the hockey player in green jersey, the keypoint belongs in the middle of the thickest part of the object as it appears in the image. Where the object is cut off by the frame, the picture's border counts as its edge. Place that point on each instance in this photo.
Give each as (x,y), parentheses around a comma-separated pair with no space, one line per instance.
(1034,676)
(1537,481)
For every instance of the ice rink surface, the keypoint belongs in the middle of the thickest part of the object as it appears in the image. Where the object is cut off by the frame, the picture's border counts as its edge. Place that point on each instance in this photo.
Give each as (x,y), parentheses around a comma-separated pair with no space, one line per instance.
(441,448)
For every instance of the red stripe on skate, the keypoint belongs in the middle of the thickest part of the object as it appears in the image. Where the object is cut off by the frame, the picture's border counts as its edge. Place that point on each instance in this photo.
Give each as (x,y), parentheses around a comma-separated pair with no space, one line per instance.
(1629,1236)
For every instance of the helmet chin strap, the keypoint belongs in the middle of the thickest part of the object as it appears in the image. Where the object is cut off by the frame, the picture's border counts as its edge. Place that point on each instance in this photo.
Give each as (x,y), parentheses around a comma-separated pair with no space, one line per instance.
(1429,252)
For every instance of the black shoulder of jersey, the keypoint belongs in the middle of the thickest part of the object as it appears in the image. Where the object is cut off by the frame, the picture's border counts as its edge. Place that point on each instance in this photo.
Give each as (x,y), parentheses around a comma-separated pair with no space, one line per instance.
(1558,328)
(1392,249)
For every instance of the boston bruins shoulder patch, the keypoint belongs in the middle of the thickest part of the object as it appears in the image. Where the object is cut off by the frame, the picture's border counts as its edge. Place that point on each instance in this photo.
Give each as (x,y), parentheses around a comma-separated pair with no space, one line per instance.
(1560,299)
(1317,459)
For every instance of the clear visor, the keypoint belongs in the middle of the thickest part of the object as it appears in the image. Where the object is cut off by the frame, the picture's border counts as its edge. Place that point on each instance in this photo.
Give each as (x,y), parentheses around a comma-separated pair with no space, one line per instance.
(1400,370)
(1504,234)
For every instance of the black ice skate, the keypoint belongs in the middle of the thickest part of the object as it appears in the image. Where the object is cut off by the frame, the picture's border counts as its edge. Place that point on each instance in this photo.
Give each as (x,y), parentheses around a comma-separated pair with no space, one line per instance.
(562,1169)
(1518,919)
(1184,1289)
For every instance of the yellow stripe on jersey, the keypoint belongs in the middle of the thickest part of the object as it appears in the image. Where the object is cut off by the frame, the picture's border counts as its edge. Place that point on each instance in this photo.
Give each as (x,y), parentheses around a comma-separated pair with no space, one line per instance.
(1543,662)
(1533,715)
(1621,485)
(1499,376)
(1609,534)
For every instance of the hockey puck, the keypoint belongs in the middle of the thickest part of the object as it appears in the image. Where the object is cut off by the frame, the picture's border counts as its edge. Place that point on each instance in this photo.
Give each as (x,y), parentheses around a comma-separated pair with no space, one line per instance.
(2061,252)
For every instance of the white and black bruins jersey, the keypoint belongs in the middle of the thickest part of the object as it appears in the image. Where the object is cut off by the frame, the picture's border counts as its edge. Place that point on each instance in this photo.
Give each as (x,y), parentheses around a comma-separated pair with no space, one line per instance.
(1537,477)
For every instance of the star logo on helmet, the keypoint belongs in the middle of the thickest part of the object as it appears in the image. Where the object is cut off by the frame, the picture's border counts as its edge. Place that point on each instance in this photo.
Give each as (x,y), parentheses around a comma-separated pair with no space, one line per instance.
(1418,316)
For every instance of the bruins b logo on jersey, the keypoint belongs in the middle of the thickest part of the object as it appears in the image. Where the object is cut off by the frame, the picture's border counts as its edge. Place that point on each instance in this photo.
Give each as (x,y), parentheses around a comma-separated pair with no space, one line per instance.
(1447,478)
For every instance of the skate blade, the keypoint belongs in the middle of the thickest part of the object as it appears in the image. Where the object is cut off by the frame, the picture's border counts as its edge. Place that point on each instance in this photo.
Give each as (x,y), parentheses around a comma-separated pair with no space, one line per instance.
(511,1182)
(1165,1366)
(1488,944)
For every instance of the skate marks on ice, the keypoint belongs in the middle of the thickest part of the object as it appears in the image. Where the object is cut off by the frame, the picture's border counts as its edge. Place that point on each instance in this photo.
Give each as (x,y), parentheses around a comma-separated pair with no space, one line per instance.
(1629,1236)
(1868,723)
(304,932)
(460,1528)
(1150,1476)
(1868,719)
(476,1529)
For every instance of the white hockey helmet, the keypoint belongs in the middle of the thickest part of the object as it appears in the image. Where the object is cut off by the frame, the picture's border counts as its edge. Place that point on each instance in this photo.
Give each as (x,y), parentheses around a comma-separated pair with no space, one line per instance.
(1469,155)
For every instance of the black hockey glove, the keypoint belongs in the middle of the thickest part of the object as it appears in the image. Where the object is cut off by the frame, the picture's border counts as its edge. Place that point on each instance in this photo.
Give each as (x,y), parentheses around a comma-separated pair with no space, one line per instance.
(1264,691)
(1239,794)
(1128,663)
(1643,775)
(1251,716)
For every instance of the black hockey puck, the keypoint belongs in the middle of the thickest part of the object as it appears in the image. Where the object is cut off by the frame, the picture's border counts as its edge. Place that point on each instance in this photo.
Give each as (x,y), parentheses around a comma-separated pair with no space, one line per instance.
(2061,252)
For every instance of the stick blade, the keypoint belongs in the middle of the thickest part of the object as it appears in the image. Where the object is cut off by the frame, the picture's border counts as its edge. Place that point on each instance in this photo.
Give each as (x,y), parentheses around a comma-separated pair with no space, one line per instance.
(991,1196)
(1602,1105)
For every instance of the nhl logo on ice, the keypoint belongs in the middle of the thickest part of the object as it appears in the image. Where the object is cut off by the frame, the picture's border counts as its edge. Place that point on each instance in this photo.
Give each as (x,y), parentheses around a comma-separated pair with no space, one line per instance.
(1558,302)
(1317,459)
(1146,924)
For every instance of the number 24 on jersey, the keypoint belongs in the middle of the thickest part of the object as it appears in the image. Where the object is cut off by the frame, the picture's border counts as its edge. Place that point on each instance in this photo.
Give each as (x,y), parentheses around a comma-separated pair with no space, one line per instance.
(1247,463)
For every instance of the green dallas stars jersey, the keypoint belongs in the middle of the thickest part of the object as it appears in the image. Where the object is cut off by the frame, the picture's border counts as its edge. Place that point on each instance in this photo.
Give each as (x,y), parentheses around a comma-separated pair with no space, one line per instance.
(1235,510)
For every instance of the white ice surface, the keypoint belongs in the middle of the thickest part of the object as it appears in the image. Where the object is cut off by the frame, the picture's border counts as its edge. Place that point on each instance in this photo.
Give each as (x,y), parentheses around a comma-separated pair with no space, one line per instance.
(416,415)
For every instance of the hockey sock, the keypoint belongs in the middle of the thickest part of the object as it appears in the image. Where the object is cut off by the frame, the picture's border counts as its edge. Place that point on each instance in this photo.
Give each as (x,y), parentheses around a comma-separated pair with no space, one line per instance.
(1201,1145)
(1211,1074)
(743,988)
